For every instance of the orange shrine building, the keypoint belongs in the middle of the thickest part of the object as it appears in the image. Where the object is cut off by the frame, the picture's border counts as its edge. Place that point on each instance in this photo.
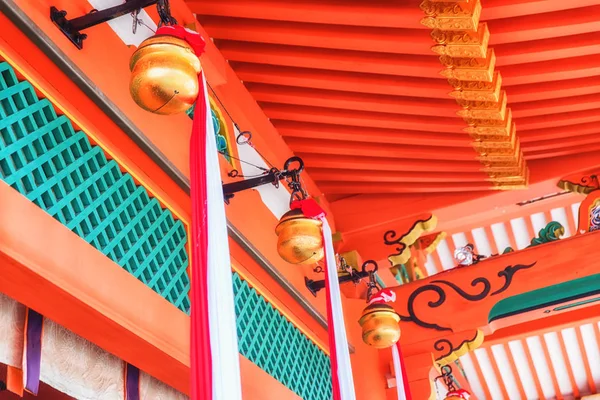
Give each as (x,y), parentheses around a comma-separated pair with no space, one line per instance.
(449,148)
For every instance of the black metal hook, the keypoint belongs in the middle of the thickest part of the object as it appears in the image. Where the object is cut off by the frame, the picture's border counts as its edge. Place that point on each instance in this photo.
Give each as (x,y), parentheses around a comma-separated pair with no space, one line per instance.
(72,27)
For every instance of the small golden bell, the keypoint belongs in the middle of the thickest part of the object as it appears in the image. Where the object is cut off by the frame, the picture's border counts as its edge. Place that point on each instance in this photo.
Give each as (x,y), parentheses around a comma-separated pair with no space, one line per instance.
(380,327)
(299,239)
(164,75)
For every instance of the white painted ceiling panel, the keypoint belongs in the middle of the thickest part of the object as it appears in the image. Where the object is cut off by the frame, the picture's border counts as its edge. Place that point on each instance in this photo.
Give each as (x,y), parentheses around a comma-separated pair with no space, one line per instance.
(590,343)
(506,373)
(541,368)
(500,236)
(446,257)
(525,374)
(488,374)
(558,362)
(459,239)
(481,241)
(560,215)
(519,228)
(575,359)
(469,368)
(539,222)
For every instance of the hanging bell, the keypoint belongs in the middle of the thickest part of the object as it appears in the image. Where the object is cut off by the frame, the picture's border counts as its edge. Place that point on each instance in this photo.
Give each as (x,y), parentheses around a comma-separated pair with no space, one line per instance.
(164,75)
(299,239)
(380,328)
(458,394)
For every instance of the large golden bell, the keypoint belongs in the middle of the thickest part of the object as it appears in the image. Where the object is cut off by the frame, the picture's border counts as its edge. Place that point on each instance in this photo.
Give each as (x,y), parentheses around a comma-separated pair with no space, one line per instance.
(164,75)
(380,327)
(300,240)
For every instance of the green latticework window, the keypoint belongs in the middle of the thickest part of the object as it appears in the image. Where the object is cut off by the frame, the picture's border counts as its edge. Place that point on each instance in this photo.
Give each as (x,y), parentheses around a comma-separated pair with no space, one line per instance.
(43,158)
(273,343)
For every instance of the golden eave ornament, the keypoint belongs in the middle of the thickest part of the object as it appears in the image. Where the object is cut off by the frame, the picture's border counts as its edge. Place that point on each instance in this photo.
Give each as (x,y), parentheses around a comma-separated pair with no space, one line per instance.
(487,127)
(483,109)
(477,91)
(463,44)
(470,69)
(451,15)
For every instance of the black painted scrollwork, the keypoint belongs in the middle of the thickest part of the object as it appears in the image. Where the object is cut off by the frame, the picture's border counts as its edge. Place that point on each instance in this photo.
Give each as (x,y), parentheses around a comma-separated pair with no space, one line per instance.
(508,273)
(390,237)
(438,287)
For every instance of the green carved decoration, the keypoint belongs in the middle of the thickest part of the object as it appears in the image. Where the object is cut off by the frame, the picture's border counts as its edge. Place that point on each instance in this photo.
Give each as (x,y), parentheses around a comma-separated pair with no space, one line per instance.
(550,233)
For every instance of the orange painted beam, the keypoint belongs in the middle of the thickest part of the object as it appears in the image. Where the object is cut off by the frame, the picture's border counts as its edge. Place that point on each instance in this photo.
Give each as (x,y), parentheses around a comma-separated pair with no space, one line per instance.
(546,145)
(553,90)
(515,371)
(353,101)
(387,150)
(482,380)
(361,82)
(52,270)
(546,49)
(336,60)
(407,15)
(344,37)
(551,154)
(555,106)
(362,118)
(357,176)
(309,130)
(540,25)
(547,71)
(558,132)
(386,188)
(386,164)
(496,9)
(561,119)
(460,314)
(390,208)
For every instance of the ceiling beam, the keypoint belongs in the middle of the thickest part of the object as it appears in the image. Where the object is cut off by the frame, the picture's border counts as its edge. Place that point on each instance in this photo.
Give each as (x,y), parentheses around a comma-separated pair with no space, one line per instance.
(556,106)
(354,101)
(427,66)
(451,210)
(327,147)
(406,15)
(352,177)
(309,130)
(544,25)
(362,118)
(343,37)
(336,187)
(387,164)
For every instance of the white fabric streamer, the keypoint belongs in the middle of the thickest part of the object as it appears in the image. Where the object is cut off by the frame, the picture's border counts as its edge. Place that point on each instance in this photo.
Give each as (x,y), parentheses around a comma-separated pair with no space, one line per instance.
(223,332)
(398,370)
(341,341)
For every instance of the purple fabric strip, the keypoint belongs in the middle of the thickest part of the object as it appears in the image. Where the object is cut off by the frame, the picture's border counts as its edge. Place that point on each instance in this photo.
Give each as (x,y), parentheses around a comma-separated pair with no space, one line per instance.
(132,385)
(33,350)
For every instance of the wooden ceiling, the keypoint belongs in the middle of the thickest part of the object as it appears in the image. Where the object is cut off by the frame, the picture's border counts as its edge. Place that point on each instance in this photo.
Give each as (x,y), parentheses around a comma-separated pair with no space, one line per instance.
(355,89)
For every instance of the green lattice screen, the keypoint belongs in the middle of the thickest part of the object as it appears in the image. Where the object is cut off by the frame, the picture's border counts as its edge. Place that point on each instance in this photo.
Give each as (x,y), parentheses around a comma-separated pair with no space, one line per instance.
(273,343)
(43,158)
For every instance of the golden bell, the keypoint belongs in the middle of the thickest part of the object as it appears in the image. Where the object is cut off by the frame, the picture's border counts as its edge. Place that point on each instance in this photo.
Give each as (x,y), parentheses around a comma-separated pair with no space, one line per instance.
(380,327)
(164,75)
(300,240)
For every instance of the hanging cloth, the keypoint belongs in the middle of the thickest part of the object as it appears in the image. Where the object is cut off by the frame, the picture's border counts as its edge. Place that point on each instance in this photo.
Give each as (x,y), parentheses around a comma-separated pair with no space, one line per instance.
(341,369)
(215,364)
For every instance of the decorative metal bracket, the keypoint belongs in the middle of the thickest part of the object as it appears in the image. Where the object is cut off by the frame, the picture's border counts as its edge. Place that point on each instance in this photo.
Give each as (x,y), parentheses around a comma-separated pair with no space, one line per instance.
(274,176)
(72,27)
(352,276)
